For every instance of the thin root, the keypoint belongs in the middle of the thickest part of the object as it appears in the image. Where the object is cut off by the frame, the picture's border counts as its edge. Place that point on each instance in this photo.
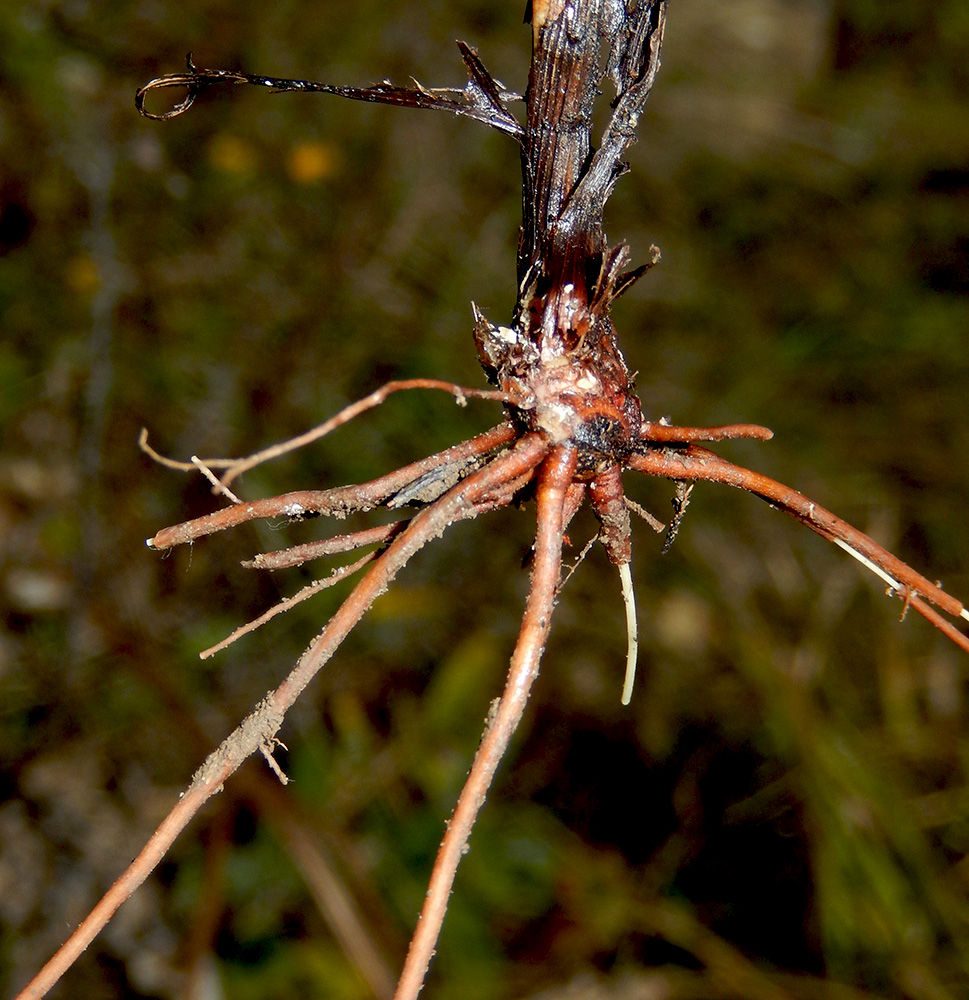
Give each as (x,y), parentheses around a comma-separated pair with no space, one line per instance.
(578,562)
(277,609)
(236,466)
(296,555)
(700,464)
(661,431)
(266,749)
(214,480)
(654,522)
(348,413)
(171,463)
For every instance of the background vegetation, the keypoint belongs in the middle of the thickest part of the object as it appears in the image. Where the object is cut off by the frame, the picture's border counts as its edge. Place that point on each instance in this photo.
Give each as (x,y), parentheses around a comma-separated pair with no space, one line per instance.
(783,808)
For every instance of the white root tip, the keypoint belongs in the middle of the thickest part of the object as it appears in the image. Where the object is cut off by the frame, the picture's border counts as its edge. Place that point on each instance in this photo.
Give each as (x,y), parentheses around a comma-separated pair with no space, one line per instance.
(865,561)
(879,572)
(632,631)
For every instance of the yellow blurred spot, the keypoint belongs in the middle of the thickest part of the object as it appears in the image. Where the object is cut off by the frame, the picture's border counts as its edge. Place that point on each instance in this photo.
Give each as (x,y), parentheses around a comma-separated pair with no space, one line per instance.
(81,274)
(310,162)
(231,154)
(408,602)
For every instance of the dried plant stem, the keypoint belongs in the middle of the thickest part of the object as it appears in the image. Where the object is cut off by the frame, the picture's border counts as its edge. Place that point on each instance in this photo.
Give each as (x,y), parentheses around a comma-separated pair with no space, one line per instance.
(555,477)
(730,970)
(321,875)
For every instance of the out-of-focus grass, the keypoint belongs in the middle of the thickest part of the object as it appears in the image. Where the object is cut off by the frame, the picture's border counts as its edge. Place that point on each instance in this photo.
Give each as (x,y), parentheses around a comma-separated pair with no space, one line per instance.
(783,802)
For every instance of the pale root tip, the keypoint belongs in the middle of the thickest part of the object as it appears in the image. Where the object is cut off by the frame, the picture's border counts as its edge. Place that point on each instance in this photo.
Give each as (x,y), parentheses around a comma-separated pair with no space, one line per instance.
(632,631)
(150,542)
(965,614)
(865,561)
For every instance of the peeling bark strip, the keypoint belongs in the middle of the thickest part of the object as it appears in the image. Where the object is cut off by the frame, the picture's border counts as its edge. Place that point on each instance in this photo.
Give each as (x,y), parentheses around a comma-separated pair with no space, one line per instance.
(573,422)
(566,181)
(482,99)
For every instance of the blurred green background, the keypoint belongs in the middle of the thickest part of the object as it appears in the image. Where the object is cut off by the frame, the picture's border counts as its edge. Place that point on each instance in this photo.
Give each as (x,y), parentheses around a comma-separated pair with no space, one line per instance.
(782,812)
